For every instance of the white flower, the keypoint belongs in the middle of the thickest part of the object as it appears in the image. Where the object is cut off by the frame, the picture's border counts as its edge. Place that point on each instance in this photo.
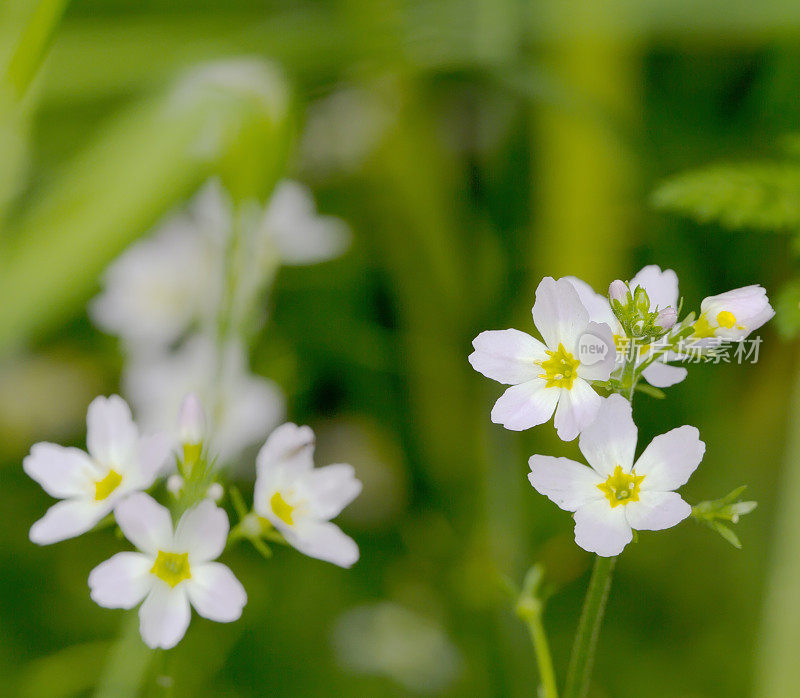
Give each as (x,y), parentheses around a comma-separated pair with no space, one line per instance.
(547,377)
(662,289)
(119,462)
(616,495)
(173,570)
(191,421)
(733,315)
(299,500)
(299,234)
(242,407)
(161,286)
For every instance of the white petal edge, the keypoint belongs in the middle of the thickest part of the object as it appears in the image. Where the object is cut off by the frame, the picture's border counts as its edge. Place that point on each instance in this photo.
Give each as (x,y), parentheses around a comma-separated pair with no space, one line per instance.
(111,434)
(601,529)
(215,592)
(558,313)
(324,541)
(577,409)
(202,532)
(332,488)
(670,459)
(289,447)
(164,616)
(122,581)
(565,482)
(661,375)
(611,439)
(525,405)
(656,511)
(67,519)
(661,286)
(145,523)
(507,356)
(62,472)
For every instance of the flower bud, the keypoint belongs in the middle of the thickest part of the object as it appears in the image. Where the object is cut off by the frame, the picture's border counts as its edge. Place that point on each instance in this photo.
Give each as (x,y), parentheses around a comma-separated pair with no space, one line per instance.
(618,291)
(667,318)
(192,421)
(174,484)
(215,491)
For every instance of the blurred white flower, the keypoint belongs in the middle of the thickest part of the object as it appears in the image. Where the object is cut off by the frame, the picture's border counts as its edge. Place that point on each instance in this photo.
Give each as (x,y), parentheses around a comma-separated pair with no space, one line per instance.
(242,407)
(616,495)
(385,639)
(163,285)
(119,461)
(733,315)
(299,500)
(173,570)
(548,377)
(192,425)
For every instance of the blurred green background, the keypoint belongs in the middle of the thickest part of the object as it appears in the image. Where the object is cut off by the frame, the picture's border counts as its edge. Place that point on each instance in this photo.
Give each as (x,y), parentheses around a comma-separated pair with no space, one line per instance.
(473,146)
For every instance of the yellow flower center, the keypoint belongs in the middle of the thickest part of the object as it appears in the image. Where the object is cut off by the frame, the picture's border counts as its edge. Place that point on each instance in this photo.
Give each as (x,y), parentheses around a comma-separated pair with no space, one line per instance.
(282,509)
(726,319)
(621,487)
(103,488)
(173,568)
(561,369)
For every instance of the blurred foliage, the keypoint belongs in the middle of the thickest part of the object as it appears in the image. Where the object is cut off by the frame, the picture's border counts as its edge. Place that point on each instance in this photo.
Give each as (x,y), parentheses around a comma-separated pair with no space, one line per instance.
(514,140)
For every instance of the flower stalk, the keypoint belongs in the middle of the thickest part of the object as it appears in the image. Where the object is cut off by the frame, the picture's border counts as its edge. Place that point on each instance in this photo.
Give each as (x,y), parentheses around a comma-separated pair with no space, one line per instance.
(594,606)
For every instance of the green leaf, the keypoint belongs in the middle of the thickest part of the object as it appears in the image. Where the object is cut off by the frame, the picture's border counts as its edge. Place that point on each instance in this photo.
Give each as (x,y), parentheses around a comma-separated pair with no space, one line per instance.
(764,196)
(727,533)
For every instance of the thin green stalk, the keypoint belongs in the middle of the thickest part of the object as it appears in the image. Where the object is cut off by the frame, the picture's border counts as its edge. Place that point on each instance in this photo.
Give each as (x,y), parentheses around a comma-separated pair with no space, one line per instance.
(594,606)
(541,647)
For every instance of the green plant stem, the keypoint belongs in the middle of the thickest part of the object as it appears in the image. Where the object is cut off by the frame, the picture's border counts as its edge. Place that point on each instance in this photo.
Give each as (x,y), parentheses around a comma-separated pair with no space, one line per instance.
(594,606)
(541,647)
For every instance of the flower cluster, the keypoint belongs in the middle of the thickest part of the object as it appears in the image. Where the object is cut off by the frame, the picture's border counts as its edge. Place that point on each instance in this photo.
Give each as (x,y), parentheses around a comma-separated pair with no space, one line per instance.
(594,353)
(184,300)
(174,567)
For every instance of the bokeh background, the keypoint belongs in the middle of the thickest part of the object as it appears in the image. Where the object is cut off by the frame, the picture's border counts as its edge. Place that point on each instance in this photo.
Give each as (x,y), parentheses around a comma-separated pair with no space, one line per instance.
(473,147)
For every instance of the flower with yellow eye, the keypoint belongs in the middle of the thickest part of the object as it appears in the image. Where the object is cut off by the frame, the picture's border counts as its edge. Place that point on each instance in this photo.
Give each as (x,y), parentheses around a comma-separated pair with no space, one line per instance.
(733,315)
(553,376)
(119,461)
(299,500)
(613,495)
(172,570)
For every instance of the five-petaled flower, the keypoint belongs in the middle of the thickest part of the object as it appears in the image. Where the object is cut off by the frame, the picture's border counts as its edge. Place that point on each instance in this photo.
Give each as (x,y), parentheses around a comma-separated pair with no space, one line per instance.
(299,500)
(734,314)
(172,570)
(554,376)
(119,461)
(614,495)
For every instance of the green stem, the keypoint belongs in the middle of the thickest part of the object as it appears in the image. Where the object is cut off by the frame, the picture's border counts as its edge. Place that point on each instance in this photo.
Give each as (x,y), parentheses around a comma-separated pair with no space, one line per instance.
(594,606)
(544,660)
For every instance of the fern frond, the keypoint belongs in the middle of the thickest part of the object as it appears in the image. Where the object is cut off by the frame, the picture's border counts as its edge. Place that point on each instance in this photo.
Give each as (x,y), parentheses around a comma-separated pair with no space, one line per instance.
(764,196)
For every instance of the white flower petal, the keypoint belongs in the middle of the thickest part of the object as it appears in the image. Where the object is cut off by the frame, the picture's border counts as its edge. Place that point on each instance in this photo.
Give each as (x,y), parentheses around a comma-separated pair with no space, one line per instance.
(289,447)
(324,541)
(153,452)
(507,356)
(577,409)
(526,405)
(567,483)
(597,352)
(62,472)
(215,592)
(597,305)
(749,306)
(202,532)
(299,234)
(331,489)
(558,313)
(662,375)
(144,522)
(121,581)
(670,459)
(164,616)
(67,519)
(656,511)
(601,529)
(611,439)
(661,286)
(111,433)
